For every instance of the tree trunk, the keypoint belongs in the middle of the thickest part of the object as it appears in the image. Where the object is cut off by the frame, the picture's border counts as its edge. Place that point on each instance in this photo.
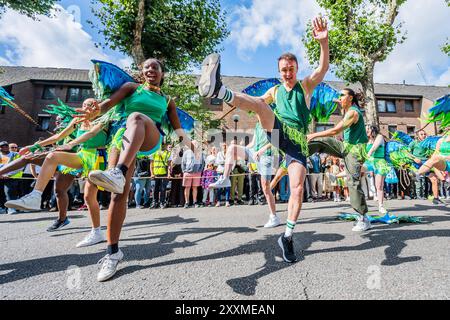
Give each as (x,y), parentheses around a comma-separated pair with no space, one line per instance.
(370,99)
(137,51)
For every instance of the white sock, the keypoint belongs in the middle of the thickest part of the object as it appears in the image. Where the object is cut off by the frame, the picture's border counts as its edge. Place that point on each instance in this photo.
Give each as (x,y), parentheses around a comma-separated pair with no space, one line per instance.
(225,94)
(96,230)
(290,225)
(36,193)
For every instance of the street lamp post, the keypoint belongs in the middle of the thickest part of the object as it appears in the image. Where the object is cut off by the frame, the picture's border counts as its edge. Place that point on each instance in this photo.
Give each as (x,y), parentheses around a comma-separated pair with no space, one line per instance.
(236,118)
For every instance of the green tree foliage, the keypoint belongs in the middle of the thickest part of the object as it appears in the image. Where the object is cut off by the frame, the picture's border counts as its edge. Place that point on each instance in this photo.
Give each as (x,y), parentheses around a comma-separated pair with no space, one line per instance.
(31,8)
(179,32)
(362,33)
(446,47)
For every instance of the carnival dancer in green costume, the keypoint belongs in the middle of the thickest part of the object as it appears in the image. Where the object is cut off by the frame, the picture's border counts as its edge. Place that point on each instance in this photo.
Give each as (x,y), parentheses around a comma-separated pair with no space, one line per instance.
(35,154)
(376,163)
(440,160)
(352,150)
(144,106)
(287,125)
(93,140)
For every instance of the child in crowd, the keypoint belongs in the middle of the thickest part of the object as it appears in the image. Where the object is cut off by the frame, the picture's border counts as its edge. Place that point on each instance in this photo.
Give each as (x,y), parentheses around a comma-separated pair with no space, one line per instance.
(209,176)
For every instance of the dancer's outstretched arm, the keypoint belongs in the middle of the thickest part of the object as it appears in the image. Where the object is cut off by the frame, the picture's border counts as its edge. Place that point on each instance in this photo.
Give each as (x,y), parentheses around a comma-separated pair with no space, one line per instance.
(96,109)
(83,138)
(53,139)
(350,118)
(378,140)
(320,34)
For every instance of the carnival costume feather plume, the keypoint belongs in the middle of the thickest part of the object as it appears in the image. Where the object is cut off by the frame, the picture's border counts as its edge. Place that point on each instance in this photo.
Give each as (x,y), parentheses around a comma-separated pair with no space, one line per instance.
(440,112)
(402,137)
(323,102)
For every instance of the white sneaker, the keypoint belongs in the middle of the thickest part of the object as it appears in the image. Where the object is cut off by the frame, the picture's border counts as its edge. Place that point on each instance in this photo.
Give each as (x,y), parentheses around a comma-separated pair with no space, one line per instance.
(111,180)
(362,224)
(338,200)
(221,183)
(273,222)
(347,199)
(382,210)
(109,265)
(92,238)
(31,201)
(335,200)
(210,83)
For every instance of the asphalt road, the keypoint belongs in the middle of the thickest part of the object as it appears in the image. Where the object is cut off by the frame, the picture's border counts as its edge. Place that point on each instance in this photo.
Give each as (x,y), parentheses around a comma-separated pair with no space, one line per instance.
(225,253)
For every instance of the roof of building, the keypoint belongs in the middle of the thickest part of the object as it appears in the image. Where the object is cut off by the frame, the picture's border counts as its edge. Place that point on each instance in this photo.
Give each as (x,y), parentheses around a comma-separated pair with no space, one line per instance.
(10,75)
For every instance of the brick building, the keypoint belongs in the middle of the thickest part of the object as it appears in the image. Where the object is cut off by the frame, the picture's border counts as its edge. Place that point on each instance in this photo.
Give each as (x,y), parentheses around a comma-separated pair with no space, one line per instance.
(399,105)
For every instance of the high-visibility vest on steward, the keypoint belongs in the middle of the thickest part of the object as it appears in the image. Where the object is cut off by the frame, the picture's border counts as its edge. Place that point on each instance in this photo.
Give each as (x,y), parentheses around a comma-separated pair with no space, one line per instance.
(160,163)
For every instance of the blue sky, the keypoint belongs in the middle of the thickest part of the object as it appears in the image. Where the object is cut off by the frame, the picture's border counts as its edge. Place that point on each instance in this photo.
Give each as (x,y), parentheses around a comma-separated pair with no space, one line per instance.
(260,31)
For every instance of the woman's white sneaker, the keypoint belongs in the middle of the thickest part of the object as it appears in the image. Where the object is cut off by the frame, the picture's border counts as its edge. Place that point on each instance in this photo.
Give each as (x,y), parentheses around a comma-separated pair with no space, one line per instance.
(92,238)
(109,265)
(273,222)
(31,201)
(362,224)
(111,180)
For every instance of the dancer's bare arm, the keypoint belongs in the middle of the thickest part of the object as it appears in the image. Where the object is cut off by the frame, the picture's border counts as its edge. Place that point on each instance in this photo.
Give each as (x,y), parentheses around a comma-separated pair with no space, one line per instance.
(97,109)
(320,34)
(378,141)
(53,139)
(83,138)
(350,118)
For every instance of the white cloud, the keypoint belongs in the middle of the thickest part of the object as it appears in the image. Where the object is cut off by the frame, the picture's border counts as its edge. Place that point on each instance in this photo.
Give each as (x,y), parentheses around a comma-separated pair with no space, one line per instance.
(58,42)
(266,22)
(427,25)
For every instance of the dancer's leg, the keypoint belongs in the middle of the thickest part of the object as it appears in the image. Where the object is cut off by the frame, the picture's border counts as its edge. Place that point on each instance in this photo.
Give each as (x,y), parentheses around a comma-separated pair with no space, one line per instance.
(141,134)
(62,186)
(379,185)
(118,210)
(33,199)
(52,160)
(90,198)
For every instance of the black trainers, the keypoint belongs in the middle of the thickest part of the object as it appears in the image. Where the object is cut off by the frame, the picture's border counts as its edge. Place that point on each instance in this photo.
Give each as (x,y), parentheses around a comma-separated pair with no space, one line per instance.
(437,201)
(210,82)
(287,245)
(58,225)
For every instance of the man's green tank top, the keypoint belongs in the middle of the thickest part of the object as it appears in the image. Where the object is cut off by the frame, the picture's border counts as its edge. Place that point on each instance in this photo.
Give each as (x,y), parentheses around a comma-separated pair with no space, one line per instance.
(146,102)
(445,148)
(97,141)
(356,133)
(291,107)
(261,139)
(379,153)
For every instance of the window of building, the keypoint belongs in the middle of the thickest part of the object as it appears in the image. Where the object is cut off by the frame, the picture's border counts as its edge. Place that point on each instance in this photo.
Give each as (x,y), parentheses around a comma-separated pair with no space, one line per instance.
(216,102)
(410,130)
(386,106)
(391,130)
(323,126)
(77,94)
(409,106)
(44,122)
(49,93)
